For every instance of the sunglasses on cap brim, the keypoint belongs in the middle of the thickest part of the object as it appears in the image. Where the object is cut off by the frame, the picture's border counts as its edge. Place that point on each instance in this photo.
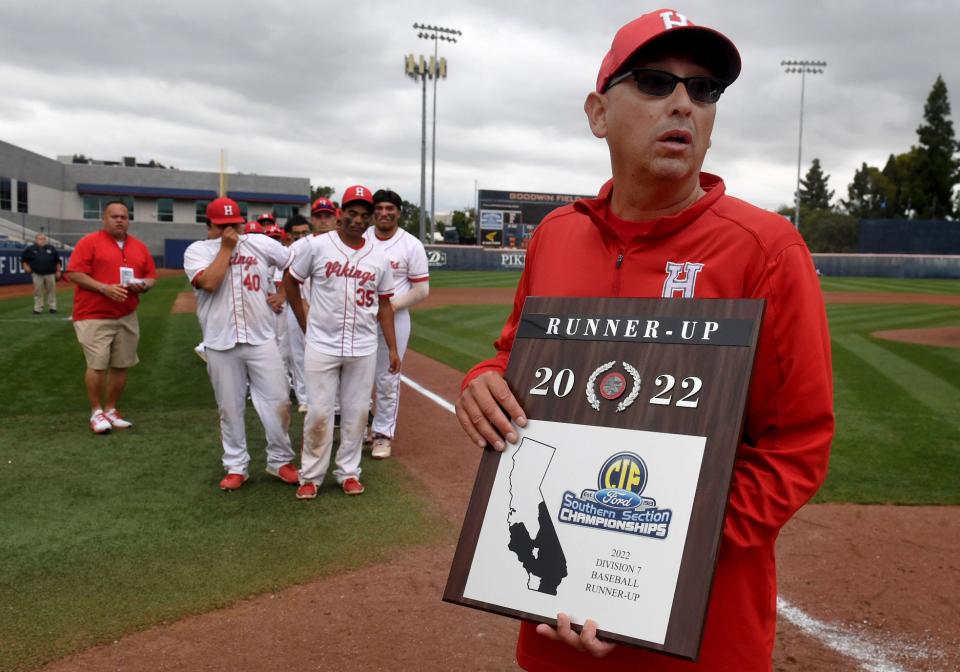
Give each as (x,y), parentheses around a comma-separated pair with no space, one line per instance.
(660,83)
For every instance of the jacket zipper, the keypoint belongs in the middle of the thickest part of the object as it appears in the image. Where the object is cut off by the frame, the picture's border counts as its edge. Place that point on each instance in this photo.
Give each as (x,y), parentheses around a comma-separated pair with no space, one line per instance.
(616,278)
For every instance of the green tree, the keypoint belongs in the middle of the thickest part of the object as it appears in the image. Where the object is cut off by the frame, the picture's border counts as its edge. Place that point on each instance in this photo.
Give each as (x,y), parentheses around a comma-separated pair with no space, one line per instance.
(410,220)
(320,192)
(463,222)
(827,230)
(815,192)
(871,195)
(901,170)
(936,168)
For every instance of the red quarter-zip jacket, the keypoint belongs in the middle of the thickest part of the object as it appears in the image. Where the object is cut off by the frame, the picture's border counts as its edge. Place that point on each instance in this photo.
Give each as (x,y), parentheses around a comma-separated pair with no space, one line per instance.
(719,247)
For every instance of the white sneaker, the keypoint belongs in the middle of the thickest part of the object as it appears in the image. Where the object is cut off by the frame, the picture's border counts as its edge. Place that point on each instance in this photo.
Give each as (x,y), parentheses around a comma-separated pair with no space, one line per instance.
(117,422)
(99,423)
(381,447)
(201,352)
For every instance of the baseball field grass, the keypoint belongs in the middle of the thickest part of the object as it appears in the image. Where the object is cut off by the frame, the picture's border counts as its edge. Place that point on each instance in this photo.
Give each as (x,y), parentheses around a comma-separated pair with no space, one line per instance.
(104,535)
(897,404)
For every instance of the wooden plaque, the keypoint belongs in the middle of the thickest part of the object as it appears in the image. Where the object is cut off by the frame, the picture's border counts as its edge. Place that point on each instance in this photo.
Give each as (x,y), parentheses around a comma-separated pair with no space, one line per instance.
(610,505)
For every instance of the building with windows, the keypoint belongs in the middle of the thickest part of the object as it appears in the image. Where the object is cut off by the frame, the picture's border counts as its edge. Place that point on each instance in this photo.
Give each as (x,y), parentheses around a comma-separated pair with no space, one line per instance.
(64,197)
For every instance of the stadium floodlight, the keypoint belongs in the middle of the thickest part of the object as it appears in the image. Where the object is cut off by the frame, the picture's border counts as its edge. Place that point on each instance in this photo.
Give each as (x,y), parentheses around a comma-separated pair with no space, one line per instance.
(439,66)
(802,68)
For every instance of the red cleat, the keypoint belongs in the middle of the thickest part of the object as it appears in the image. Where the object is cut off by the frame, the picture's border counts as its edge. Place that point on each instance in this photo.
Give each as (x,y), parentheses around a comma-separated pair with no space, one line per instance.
(232,482)
(287,473)
(352,486)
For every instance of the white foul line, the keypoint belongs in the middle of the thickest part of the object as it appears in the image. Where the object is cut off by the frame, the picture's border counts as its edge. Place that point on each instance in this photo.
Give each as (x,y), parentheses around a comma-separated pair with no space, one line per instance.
(871,657)
(435,398)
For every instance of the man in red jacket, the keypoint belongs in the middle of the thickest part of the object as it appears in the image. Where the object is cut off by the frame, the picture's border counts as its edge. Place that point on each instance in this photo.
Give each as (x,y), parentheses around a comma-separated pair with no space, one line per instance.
(662,228)
(110,269)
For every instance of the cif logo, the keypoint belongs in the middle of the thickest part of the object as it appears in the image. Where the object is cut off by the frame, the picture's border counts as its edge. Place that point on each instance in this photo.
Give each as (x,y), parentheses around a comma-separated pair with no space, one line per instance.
(622,479)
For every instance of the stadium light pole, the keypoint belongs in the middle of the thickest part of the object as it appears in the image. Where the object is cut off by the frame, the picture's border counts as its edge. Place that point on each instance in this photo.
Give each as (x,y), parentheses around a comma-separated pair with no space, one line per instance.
(802,68)
(416,68)
(439,67)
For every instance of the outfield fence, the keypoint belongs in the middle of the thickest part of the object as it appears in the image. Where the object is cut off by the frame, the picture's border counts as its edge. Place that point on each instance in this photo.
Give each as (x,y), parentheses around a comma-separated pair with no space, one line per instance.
(461,258)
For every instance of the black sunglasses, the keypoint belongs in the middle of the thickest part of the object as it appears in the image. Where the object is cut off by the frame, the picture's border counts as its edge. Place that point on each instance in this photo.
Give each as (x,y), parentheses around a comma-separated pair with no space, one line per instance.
(659,83)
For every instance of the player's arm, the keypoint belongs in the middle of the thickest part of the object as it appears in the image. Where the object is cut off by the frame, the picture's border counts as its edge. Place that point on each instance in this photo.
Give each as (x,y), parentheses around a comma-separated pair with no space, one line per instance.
(115,292)
(278,298)
(789,427)
(418,292)
(291,288)
(212,276)
(385,318)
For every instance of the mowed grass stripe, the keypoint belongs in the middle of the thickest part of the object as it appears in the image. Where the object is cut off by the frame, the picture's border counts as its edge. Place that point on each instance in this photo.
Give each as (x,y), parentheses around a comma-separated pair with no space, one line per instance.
(939,395)
(889,447)
(885,316)
(474,278)
(910,286)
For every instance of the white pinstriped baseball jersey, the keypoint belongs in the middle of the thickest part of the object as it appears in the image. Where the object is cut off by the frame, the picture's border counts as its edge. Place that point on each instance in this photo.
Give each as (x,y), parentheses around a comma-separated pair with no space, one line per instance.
(345,292)
(407,256)
(237,312)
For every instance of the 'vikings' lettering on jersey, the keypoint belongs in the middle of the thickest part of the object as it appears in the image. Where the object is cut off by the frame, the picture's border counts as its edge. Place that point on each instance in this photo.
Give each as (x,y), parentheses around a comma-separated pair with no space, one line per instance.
(237,312)
(407,256)
(346,286)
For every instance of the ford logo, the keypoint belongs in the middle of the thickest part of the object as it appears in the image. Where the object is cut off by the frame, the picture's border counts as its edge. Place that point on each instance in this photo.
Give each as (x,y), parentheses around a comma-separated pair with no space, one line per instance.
(618,499)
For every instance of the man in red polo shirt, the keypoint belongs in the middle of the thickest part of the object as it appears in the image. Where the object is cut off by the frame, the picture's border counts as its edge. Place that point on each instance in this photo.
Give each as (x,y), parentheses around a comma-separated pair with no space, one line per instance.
(110,269)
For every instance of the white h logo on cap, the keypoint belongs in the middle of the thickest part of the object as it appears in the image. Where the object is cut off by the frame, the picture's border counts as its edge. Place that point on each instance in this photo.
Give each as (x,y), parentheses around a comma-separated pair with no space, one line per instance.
(228,209)
(359,191)
(670,22)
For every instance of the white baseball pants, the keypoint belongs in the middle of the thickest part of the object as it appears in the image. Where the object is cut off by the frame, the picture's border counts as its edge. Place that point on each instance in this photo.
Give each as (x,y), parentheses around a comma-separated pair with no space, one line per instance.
(296,346)
(387,393)
(325,374)
(230,371)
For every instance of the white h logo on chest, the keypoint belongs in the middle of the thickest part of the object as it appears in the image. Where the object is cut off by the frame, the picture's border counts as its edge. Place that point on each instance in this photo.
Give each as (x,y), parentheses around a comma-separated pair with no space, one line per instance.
(673,20)
(674,284)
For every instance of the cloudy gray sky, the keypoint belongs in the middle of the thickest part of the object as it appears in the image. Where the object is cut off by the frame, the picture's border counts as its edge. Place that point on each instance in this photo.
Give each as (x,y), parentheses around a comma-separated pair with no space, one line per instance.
(317,88)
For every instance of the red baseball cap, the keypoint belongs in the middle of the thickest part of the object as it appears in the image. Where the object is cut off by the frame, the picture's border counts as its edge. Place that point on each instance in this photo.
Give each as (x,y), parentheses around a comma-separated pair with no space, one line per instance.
(275,232)
(267,217)
(223,211)
(253,227)
(357,192)
(323,204)
(717,52)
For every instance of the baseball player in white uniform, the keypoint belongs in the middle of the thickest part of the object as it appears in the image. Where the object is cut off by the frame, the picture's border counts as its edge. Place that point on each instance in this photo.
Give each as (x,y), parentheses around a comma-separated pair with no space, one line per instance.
(350,289)
(411,284)
(230,272)
(297,228)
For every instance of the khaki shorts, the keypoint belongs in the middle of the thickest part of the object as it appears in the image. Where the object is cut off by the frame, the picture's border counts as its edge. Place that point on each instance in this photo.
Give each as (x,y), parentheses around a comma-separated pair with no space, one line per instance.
(109,343)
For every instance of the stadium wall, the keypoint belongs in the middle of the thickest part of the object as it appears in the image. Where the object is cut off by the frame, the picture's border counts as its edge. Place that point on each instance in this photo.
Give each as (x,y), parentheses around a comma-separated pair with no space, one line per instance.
(460,258)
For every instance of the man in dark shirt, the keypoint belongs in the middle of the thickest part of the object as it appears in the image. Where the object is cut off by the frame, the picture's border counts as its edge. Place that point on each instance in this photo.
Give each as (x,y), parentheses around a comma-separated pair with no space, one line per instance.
(42,261)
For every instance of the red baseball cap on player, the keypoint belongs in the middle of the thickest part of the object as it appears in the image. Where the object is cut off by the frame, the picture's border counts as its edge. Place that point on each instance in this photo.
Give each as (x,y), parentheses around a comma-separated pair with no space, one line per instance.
(253,227)
(663,27)
(275,232)
(223,211)
(357,192)
(267,217)
(322,204)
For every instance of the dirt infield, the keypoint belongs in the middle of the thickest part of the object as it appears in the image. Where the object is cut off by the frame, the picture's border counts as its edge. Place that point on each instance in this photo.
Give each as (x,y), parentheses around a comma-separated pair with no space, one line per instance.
(886,578)
(12,291)
(942,337)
